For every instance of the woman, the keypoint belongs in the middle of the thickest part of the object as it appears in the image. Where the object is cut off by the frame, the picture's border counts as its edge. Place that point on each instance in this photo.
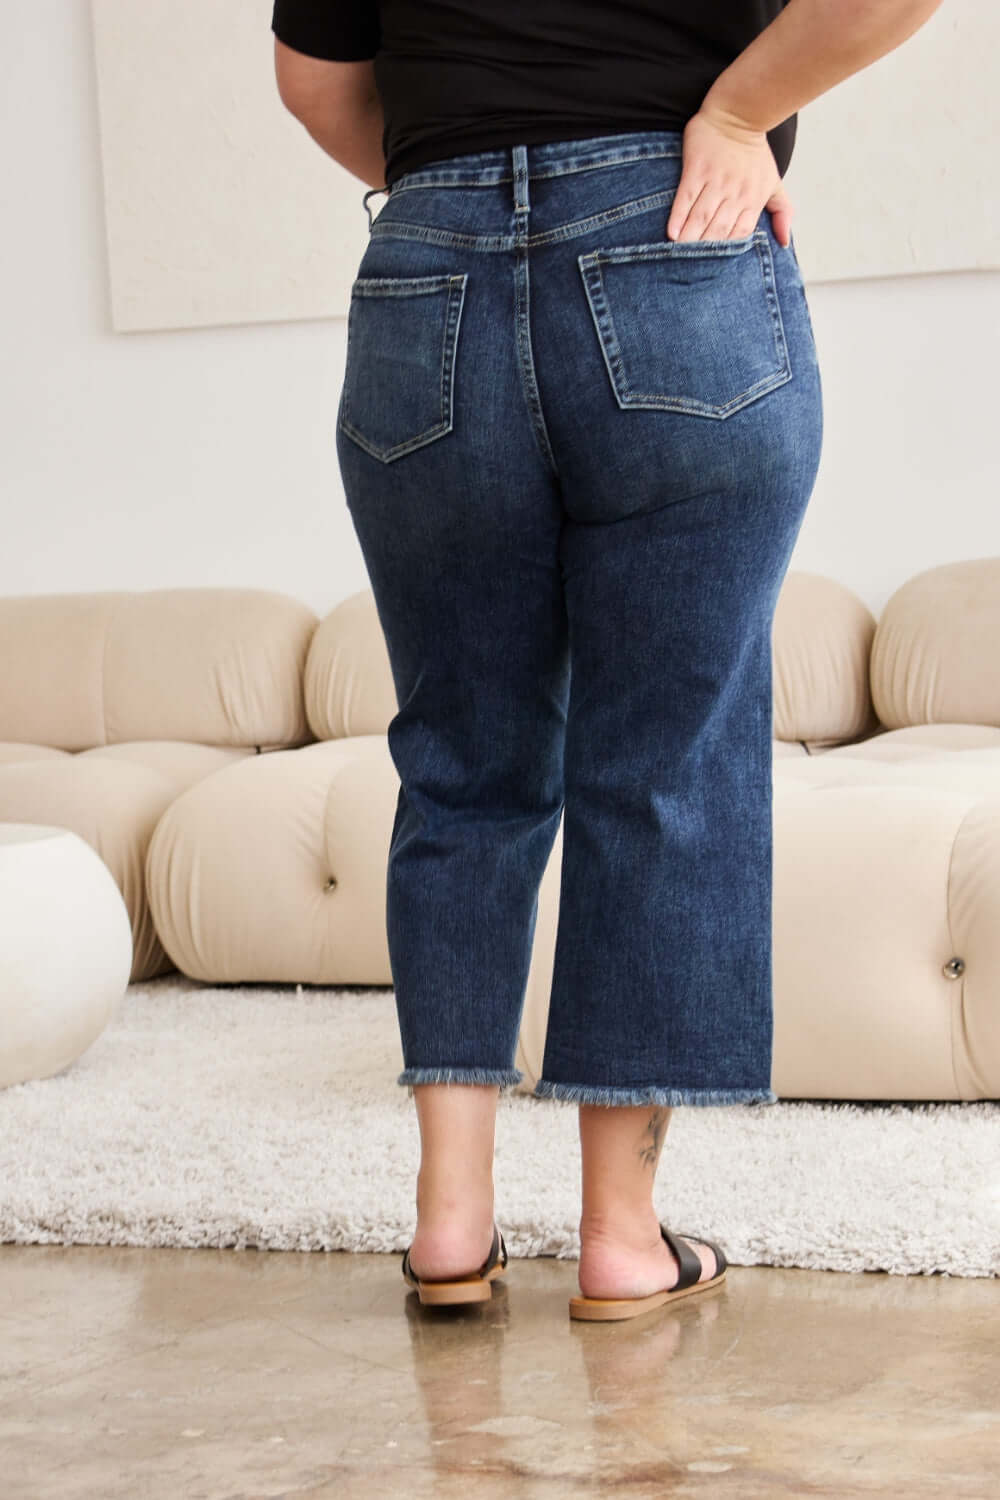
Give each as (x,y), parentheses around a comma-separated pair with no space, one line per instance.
(580,424)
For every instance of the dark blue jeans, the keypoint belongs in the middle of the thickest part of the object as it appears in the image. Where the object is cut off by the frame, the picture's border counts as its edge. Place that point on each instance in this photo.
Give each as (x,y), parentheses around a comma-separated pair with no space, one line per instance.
(577,456)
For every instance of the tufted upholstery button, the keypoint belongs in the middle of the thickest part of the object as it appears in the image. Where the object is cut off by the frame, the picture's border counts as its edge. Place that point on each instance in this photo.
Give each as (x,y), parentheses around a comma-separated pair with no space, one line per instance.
(954,967)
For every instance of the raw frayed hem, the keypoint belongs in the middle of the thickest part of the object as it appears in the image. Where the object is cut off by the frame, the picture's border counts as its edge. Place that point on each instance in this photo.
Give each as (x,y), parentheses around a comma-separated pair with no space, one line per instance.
(582,1093)
(506,1078)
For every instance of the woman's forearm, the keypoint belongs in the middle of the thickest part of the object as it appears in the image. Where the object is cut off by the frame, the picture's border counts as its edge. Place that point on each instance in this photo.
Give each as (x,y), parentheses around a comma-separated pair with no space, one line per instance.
(808,48)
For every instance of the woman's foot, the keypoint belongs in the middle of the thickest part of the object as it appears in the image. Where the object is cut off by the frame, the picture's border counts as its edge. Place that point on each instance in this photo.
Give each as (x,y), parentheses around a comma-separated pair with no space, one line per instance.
(632,1262)
(446,1250)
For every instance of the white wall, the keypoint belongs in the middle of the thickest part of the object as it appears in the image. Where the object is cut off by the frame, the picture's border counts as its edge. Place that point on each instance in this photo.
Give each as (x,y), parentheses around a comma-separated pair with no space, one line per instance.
(206,456)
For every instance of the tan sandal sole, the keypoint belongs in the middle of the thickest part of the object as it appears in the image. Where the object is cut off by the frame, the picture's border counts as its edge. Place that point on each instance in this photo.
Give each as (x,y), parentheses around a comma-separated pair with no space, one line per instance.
(448,1293)
(606,1309)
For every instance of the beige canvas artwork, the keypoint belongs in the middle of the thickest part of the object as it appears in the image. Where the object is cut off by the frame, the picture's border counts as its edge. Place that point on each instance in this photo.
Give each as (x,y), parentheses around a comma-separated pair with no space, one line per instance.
(219,208)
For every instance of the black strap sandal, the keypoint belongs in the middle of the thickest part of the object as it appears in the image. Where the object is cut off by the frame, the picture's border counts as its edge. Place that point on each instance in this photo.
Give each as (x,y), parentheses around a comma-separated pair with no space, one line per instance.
(475,1288)
(606,1309)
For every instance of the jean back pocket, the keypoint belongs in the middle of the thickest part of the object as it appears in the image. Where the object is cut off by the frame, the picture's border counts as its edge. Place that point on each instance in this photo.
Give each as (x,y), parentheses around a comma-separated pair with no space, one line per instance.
(399,377)
(688,325)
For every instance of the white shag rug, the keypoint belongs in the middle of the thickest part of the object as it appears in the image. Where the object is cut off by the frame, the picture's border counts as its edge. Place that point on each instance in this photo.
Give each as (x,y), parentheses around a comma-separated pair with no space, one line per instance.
(269,1117)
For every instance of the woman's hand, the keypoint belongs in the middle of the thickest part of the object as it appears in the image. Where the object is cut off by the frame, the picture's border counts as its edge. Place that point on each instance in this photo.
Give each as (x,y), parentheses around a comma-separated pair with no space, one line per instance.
(728,177)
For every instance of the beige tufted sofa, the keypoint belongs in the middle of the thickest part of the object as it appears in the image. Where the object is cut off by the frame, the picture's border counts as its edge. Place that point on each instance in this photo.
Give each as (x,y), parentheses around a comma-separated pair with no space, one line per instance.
(224,751)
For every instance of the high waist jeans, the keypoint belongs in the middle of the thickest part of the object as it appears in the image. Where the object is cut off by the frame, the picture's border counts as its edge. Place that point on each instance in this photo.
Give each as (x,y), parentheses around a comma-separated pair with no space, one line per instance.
(576,456)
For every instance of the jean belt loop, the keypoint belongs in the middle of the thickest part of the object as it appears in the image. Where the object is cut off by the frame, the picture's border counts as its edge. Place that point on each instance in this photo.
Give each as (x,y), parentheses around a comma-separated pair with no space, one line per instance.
(520,161)
(371,192)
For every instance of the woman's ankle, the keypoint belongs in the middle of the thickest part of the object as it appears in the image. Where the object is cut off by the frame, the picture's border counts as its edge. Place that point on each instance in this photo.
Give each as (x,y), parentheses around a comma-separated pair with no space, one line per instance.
(453,1196)
(629,1227)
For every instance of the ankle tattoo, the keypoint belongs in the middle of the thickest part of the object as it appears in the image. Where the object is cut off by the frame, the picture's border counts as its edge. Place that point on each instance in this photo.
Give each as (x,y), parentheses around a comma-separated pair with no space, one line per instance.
(652,1138)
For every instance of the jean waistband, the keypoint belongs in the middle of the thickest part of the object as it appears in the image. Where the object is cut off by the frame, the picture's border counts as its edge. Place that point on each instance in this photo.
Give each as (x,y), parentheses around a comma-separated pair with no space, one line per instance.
(544,159)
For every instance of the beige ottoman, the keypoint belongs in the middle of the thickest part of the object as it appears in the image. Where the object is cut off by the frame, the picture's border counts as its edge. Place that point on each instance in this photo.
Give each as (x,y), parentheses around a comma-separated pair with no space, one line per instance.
(65,949)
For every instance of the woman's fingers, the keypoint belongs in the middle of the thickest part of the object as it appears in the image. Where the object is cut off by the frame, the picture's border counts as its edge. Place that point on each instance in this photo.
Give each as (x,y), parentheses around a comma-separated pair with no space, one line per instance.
(779,206)
(728,177)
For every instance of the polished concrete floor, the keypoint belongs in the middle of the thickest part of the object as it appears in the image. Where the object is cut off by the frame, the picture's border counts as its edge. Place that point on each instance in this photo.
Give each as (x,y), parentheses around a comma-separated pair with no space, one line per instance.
(132,1374)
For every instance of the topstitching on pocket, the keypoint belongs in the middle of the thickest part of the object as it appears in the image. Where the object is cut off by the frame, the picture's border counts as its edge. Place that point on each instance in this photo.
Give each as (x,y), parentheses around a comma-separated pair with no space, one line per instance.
(688,325)
(402,337)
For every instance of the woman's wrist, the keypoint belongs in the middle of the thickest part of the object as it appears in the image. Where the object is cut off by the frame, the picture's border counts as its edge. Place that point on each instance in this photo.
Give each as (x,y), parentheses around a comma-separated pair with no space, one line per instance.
(730,123)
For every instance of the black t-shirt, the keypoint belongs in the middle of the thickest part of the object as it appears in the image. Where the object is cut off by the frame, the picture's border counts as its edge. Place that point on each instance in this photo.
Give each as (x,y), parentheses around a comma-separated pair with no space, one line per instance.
(470,75)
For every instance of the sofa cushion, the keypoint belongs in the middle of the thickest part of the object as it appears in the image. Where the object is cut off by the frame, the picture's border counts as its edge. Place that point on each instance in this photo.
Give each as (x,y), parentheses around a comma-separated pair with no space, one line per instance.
(274,870)
(214,666)
(887,931)
(935,657)
(348,681)
(821,645)
(931,743)
(13,754)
